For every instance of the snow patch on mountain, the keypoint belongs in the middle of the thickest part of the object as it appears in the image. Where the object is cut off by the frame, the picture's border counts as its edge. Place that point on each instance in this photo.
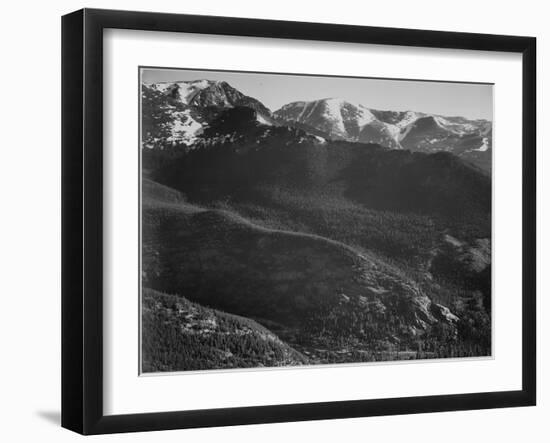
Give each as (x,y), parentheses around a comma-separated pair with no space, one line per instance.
(309,107)
(185,90)
(441,122)
(320,139)
(459,128)
(404,131)
(184,128)
(394,131)
(261,119)
(188,90)
(365,116)
(484,147)
(408,118)
(333,112)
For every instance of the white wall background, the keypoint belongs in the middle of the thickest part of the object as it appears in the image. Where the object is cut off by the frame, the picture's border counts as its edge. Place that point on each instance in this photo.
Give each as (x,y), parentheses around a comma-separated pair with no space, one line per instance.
(30,219)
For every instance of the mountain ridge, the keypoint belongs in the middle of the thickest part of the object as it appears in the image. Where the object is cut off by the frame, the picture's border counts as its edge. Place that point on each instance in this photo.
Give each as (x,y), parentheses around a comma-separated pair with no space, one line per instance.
(185,110)
(351,121)
(309,290)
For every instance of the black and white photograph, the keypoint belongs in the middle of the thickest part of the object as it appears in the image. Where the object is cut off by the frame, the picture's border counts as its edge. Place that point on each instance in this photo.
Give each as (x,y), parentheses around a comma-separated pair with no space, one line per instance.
(293,220)
(243,222)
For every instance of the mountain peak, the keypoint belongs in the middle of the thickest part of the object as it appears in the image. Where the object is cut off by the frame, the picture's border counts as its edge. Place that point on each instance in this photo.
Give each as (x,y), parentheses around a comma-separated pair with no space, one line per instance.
(189,106)
(348,120)
(339,117)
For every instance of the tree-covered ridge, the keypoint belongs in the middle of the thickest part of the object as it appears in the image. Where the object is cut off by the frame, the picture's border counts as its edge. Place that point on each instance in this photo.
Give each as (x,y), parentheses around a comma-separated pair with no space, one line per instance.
(179,335)
(325,299)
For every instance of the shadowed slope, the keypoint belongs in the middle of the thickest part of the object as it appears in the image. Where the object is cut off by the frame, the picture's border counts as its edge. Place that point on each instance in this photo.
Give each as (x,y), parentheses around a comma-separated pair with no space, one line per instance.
(313,291)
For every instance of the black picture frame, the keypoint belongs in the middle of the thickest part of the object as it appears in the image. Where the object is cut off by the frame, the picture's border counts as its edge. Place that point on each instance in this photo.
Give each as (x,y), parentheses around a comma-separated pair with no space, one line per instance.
(82,218)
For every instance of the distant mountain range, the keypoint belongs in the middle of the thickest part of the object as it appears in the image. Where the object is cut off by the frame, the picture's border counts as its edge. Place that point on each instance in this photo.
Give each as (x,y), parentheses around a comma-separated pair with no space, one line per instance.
(190,106)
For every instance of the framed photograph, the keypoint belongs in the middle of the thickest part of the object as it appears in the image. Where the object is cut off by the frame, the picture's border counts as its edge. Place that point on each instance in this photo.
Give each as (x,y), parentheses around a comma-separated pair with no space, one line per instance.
(271,221)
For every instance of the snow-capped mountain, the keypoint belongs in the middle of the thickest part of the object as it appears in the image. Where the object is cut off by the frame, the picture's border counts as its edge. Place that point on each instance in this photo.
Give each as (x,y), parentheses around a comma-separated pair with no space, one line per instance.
(180,111)
(341,119)
(205,93)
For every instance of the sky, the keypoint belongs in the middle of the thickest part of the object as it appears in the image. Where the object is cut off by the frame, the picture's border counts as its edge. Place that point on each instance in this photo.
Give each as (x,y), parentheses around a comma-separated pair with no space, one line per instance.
(468,100)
